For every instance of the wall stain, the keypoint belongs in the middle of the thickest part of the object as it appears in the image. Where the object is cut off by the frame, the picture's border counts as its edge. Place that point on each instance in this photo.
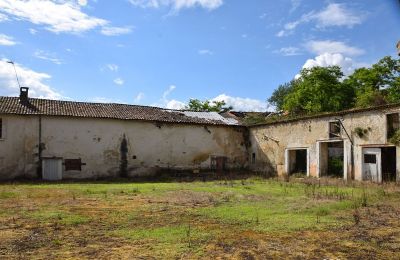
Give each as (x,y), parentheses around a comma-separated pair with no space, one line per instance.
(123,166)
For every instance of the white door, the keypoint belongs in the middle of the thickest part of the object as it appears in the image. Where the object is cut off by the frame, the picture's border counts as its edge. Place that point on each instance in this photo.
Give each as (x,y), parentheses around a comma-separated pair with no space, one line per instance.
(372,168)
(52,169)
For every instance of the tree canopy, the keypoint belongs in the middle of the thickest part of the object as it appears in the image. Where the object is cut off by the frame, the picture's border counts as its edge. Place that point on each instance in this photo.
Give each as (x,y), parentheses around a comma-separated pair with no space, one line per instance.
(207,106)
(326,89)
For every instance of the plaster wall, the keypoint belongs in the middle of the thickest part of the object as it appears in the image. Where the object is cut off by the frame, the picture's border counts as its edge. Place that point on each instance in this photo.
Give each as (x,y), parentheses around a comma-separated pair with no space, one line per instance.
(270,141)
(151,147)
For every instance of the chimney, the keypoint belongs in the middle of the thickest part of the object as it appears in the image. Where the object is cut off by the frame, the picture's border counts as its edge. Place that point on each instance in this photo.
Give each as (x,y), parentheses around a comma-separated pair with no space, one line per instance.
(23,96)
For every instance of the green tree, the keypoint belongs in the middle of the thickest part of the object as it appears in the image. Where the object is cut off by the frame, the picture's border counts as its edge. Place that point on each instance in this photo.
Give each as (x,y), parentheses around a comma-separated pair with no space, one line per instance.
(378,84)
(207,106)
(277,98)
(319,89)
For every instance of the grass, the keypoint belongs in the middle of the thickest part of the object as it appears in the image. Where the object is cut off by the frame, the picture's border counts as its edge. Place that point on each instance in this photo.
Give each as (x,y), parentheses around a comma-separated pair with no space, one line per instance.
(231,219)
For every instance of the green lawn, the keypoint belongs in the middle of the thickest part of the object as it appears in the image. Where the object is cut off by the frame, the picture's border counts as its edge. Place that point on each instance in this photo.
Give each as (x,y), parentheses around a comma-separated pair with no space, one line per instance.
(231,219)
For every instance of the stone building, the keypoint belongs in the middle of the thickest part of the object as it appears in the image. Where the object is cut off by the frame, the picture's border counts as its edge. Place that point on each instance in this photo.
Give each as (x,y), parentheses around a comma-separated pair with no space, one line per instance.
(74,140)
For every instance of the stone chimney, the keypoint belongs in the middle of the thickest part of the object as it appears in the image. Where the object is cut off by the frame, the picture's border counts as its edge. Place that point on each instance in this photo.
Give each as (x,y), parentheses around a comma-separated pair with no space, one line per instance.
(23,96)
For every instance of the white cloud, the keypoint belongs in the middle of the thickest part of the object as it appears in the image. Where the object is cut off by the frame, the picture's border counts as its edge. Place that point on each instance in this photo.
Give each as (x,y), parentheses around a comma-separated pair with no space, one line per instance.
(44,55)
(113,67)
(32,31)
(178,4)
(119,81)
(7,40)
(320,47)
(337,15)
(28,78)
(106,100)
(289,51)
(139,97)
(347,64)
(205,52)
(58,16)
(115,31)
(333,15)
(243,104)
(82,2)
(175,104)
(295,4)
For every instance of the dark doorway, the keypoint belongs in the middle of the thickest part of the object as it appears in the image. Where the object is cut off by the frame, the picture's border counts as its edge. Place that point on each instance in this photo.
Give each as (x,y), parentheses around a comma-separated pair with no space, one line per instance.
(388,164)
(298,162)
(335,159)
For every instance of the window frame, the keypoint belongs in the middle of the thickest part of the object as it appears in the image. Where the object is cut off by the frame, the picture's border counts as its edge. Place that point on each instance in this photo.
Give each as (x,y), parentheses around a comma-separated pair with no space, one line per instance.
(390,135)
(333,135)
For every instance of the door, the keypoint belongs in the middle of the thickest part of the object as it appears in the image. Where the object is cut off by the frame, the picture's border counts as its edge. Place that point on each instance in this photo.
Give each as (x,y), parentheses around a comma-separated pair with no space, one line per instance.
(52,169)
(372,167)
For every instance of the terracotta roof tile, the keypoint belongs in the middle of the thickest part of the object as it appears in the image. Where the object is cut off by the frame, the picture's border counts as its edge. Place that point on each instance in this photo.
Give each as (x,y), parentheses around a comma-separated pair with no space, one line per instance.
(12,105)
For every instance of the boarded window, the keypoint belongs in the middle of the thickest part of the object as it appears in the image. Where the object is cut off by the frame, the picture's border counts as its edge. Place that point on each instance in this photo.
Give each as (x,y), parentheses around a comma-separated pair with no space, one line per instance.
(392,121)
(334,129)
(73,164)
(370,158)
(1,128)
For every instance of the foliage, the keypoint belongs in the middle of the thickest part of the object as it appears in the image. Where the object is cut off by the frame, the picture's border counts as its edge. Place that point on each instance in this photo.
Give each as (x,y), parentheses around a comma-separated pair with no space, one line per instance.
(319,89)
(325,89)
(361,132)
(207,106)
(278,96)
(395,139)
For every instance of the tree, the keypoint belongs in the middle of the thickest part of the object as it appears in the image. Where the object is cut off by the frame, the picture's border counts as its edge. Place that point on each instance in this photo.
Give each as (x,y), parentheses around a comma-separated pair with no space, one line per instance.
(277,98)
(207,106)
(378,84)
(319,89)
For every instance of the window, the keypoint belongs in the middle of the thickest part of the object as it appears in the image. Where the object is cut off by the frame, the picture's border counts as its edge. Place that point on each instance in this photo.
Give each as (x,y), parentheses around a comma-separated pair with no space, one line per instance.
(1,128)
(334,129)
(73,164)
(253,158)
(370,158)
(392,122)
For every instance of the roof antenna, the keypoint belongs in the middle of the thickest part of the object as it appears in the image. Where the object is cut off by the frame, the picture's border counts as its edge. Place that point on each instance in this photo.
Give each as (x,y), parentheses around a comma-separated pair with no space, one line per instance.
(15,70)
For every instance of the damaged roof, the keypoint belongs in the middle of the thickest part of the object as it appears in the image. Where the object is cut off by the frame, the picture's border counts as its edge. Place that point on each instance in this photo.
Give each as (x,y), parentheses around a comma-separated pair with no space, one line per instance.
(12,105)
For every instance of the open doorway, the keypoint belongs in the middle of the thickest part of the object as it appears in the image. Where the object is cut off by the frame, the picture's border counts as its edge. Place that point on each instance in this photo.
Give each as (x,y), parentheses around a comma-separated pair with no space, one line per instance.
(331,159)
(297,161)
(388,164)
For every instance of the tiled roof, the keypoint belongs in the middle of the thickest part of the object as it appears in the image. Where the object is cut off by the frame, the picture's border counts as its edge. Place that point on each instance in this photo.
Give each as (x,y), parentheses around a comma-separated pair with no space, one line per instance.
(12,105)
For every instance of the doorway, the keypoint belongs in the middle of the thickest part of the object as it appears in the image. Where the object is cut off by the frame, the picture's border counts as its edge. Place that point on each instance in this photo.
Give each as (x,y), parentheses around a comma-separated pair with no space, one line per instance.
(331,159)
(297,161)
(379,164)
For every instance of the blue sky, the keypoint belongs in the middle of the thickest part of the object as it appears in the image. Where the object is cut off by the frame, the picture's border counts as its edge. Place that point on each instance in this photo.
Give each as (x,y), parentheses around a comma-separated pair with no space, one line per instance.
(164,52)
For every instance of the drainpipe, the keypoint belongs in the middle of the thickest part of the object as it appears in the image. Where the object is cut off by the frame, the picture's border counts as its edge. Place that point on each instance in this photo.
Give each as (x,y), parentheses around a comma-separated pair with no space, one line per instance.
(40,148)
(351,149)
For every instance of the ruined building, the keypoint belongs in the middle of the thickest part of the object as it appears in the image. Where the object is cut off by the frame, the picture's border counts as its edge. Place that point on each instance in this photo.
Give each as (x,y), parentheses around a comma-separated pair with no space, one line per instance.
(57,140)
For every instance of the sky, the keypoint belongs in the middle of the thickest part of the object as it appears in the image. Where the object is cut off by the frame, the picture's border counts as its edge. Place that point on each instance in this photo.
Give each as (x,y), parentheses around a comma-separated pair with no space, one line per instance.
(165,52)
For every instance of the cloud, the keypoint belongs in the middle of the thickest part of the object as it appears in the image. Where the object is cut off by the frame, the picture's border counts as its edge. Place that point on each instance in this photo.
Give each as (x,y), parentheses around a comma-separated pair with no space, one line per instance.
(113,67)
(44,55)
(178,4)
(333,15)
(175,104)
(347,64)
(139,97)
(61,16)
(205,52)
(295,4)
(106,100)
(32,31)
(115,31)
(320,47)
(119,81)
(289,51)
(82,2)
(337,15)
(7,40)
(243,104)
(58,16)
(28,78)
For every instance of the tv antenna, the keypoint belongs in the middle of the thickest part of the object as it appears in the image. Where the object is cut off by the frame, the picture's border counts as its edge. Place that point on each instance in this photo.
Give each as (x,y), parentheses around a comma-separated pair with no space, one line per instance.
(15,70)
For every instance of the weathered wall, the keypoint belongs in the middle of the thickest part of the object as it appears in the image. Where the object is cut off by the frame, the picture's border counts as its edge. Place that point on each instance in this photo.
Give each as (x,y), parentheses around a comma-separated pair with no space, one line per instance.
(269,142)
(150,147)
